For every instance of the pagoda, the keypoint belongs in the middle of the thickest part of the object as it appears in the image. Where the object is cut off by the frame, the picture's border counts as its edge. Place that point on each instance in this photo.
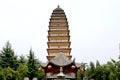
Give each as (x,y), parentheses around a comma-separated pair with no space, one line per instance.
(58,34)
(59,65)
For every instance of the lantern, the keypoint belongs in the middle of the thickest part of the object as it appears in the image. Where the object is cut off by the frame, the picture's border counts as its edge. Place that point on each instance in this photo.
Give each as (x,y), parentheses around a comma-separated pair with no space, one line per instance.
(40,69)
(73,66)
(49,66)
(81,70)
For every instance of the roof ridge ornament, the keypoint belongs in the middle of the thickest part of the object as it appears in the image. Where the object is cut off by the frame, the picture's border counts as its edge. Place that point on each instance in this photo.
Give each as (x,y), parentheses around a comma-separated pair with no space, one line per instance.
(61,69)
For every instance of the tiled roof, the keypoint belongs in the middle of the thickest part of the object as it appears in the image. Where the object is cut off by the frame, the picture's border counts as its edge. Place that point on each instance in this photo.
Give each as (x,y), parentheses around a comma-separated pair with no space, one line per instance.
(61,60)
(78,65)
(43,64)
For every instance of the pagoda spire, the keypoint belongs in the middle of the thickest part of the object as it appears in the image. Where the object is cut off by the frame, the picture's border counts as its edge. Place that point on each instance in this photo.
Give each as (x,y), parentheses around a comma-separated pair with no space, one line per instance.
(58,6)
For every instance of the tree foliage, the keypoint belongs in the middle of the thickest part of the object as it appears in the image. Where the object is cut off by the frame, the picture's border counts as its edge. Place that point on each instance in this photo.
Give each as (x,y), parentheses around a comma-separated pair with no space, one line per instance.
(108,71)
(14,68)
(7,57)
(22,71)
(33,65)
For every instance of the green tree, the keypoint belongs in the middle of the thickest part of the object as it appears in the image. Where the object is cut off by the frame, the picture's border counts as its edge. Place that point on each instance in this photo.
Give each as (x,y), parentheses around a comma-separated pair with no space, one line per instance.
(8,59)
(92,70)
(88,73)
(112,76)
(2,74)
(117,68)
(32,66)
(41,75)
(105,72)
(22,71)
(11,74)
(98,64)
(80,75)
(98,71)
(22,60)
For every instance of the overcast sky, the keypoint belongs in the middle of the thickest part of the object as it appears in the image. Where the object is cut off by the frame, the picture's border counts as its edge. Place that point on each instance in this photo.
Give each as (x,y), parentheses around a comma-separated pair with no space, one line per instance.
(94,27)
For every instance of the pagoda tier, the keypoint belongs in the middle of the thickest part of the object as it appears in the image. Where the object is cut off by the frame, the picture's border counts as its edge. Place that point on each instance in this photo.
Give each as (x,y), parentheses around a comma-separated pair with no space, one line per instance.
(58,34)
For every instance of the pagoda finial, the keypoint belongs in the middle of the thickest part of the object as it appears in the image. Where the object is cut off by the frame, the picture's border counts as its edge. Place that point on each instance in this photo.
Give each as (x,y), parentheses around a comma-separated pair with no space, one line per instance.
(58,6)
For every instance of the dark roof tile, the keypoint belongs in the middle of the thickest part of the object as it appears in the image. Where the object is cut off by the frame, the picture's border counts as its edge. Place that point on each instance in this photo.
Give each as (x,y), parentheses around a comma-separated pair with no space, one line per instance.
(61,60)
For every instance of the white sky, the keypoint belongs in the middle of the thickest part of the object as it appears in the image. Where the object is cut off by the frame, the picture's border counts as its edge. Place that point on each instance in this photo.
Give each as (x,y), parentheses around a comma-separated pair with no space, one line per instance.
(94,27)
